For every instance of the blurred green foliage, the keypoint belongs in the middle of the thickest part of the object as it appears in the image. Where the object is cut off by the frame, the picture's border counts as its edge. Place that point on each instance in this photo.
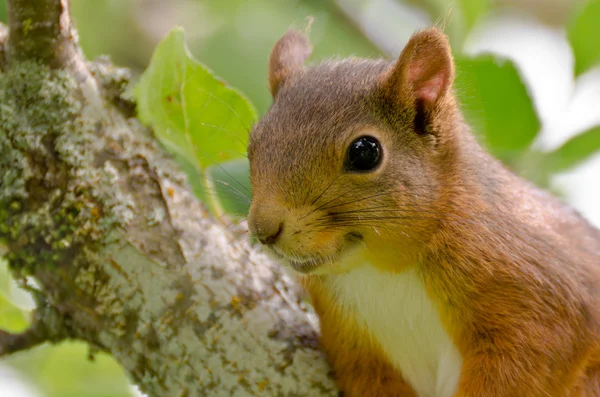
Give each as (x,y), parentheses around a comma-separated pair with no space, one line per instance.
(241,46)
(574,151)
(65,370)
(457,18)
(12,317)
(204,122)
(13,309)
(495,101)
(584,33)
(194,114)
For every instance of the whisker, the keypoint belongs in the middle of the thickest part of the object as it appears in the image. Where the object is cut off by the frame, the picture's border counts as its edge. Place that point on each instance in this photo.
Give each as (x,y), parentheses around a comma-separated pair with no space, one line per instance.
(327,188)
(230,192)
(376,195)
(221,128)
(395,209)
(229,175)
(390,191)
(356,201)
(228,107)
(367,221)
(333,199)
(228,185)
(380,218)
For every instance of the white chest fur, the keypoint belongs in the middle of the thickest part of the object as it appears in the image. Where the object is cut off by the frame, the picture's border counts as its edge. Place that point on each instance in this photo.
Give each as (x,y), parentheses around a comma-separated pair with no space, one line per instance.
(405,322)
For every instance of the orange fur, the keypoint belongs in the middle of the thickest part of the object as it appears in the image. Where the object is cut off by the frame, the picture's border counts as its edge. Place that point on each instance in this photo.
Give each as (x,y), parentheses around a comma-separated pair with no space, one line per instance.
(513,273)
(359,365)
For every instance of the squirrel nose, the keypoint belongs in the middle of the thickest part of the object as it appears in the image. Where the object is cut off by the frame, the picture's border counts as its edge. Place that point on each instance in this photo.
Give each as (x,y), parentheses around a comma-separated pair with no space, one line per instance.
(269,235)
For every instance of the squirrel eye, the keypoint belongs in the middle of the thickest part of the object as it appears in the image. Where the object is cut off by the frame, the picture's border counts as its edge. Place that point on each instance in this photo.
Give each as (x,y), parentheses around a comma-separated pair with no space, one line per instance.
(364,154)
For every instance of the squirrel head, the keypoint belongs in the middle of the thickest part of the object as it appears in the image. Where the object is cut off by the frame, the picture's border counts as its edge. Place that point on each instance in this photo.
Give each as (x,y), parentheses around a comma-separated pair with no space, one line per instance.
(349,162)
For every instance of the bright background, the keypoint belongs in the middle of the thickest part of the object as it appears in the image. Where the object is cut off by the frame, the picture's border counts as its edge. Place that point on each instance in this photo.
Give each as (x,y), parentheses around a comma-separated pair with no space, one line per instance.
(234,38)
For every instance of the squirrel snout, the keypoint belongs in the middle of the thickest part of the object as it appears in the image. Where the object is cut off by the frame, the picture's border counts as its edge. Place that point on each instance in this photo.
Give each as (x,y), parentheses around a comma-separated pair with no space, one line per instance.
(266,227)
(269,235)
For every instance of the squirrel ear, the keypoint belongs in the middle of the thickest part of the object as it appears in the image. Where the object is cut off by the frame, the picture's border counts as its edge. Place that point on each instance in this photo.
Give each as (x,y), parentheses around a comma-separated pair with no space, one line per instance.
(288,55)
(424,72)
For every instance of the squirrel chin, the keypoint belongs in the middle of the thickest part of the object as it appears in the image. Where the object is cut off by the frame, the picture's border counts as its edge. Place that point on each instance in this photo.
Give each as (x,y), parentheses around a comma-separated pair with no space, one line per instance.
(350,255)
(347,259)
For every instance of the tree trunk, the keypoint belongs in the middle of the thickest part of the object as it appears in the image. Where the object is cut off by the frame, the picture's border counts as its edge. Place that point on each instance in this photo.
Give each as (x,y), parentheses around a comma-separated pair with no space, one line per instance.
(100,225)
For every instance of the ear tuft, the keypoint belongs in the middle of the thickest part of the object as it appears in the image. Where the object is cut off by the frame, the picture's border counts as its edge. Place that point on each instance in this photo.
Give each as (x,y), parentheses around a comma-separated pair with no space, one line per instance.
(424,72)
(288,55)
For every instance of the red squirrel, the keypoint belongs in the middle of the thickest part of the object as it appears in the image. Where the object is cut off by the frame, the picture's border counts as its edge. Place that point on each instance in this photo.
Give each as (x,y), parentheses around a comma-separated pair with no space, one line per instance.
(434,270)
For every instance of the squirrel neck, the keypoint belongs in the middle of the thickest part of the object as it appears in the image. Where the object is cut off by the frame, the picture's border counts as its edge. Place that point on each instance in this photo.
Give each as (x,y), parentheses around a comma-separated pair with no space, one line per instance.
(479,193)
(480,198)
(497,222)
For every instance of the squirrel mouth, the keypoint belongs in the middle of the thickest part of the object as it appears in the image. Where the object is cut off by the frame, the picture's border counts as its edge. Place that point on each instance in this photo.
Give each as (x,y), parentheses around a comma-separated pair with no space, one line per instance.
(306,265)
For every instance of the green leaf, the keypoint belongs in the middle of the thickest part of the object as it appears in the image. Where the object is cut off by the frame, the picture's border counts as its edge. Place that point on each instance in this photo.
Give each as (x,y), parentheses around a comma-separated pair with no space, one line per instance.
(576,150)
(198,117)
(5,278)
(11,291)
(14,311)
(231,184)
(496,104)
(584,32)
(193,113)
(65,370)
(12,318)
(68,373)
(472,10)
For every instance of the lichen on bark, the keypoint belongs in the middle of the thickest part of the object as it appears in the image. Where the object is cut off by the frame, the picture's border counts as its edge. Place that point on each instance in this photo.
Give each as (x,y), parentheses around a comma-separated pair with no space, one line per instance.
(124,256)
(47,208)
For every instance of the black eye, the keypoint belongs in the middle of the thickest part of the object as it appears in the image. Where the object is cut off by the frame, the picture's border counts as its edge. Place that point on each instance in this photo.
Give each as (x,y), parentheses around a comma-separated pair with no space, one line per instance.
(364,154)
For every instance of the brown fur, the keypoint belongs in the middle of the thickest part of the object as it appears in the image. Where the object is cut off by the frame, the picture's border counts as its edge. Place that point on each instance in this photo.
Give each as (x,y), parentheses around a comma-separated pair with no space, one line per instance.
(289,54)
(360,366)
(514,272)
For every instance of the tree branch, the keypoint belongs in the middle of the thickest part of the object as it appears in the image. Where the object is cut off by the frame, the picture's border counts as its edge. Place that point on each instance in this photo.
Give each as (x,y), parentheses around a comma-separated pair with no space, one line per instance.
(126,257)
(12,343)
(3,40)
(40,29)
(45,327)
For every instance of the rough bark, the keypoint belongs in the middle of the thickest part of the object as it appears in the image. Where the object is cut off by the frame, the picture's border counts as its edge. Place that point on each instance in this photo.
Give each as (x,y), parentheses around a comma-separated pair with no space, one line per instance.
(101,226)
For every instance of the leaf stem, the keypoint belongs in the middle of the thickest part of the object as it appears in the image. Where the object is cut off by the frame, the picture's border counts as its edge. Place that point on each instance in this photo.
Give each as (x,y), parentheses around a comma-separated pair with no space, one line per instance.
(211,195)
